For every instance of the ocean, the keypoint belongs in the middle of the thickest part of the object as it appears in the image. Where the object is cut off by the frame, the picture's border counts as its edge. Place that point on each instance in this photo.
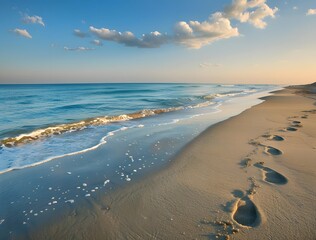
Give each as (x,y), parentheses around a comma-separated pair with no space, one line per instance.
(62,144)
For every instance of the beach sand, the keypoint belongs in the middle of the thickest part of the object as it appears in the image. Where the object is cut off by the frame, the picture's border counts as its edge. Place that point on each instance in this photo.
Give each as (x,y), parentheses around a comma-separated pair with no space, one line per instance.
(252,176)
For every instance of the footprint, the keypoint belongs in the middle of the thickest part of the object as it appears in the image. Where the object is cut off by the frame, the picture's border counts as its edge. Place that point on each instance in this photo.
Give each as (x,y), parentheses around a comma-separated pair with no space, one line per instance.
(272,176)
(246,213)
(272,151)
(291,129)
(313,111)
(296,122)
(246,162)
(273,137)
(277,138)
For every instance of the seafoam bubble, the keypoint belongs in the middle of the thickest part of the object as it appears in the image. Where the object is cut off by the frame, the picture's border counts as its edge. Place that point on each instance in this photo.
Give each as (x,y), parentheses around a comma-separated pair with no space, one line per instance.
(1,221)
(87,195)
(70,201)
(106,182)
(84,184)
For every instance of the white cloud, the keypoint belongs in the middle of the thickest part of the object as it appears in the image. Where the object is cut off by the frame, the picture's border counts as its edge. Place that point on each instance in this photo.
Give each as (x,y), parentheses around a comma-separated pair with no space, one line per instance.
(78,49)
(295,8)
(97,42)
(80,34)
(22,32)
(33,19)
(251,11)
(151,40)
(311,12)
(193,34)
(196,34)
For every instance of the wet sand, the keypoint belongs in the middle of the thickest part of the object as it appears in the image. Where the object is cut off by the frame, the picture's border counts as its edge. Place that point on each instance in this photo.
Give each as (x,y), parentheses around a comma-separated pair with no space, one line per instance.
(250,177)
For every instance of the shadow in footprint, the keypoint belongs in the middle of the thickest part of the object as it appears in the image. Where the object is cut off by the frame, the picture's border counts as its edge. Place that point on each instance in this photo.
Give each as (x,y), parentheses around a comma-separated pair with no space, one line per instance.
(272,176)
(297,125)
(291,129)
(277,138)
(246,213)
(238,193)
(296,122)
(273,151)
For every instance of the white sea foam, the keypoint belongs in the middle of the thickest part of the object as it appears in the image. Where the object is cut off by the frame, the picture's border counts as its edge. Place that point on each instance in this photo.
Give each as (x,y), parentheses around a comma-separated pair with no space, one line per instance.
(106,182)
(102,141)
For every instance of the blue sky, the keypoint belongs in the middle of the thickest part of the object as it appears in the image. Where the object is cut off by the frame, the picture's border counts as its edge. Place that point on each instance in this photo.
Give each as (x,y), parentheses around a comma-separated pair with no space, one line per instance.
(226,41)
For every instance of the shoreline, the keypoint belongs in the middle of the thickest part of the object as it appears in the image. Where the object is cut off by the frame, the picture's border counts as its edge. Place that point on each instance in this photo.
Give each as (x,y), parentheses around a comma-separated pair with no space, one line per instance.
(42,143)
(238,180)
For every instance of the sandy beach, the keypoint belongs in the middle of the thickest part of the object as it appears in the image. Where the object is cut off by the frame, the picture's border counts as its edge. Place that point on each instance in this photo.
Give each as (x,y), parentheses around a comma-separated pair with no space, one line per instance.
(249,177)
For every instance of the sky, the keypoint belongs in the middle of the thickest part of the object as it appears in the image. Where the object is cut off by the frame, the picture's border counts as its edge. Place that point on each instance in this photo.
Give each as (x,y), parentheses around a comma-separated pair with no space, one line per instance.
(196,41)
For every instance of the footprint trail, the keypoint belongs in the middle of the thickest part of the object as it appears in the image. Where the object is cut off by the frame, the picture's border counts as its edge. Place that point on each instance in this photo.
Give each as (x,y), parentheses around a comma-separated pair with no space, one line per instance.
(272,176)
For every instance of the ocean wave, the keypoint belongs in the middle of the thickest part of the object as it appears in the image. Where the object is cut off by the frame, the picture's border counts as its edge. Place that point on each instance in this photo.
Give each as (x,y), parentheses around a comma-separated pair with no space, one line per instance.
(58,129)
(101,142)
(98,121)
(228,94)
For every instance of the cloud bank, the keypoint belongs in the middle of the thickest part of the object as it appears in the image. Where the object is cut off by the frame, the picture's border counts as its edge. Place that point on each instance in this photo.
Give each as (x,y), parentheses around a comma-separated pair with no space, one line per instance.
(195,34)
(311,12)
(33,20)
(22,32)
